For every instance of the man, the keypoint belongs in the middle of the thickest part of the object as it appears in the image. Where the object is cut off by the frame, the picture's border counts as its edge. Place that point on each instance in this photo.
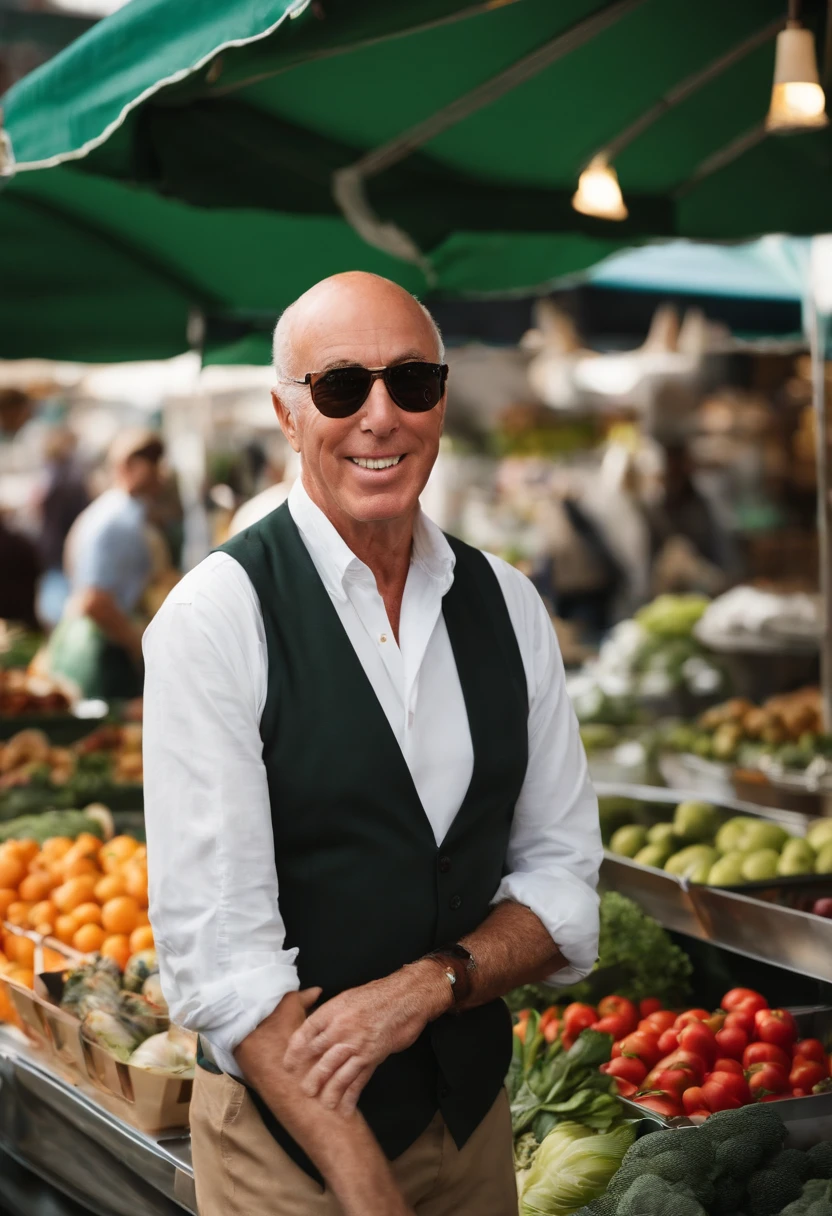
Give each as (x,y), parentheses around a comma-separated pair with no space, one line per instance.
(108,561)
(273,495)
(363,780)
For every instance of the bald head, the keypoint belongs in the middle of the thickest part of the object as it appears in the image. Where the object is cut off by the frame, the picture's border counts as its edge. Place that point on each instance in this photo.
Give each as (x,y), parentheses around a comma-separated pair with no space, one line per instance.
(352,302)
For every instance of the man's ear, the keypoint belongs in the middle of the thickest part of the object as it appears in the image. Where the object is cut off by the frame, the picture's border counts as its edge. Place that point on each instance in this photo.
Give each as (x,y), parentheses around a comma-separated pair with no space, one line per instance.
(287,420)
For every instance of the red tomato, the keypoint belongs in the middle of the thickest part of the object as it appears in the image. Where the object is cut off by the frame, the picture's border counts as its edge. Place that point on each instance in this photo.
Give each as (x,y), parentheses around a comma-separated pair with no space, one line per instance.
(717,1097)
(644,1046)
(577,1017)
(548,1015)
(767,1078)
(626,1067)
(650,1004)
(727,1065)
(811,1049)
(774,1097)
(762,1053)
(658,1022)
(805,1074)
(801,1093)
(625,1089)
(551,1030)
(699,1039)
(732,1041)
(614,1024)
(662,1104)
(778,1028)
(680,1056)
(668,1041)
(745,1021)
(735,1085)
(745,999)
(690,1015)
(693,1101)
(675,1079)
(619,1006)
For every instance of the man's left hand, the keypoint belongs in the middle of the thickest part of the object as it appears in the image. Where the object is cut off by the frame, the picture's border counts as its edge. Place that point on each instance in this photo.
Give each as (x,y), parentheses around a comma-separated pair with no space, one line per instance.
(338,1048)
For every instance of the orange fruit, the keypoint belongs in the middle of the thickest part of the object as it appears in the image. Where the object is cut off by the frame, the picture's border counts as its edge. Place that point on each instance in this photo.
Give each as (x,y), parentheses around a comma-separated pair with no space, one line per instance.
(8,895)
(40,864)
(143,920)
(110,886)
(22,951)
(87,914)
(43,912)
(78,866)
(117,947)
(36,886)
(89,938)
(56,847)
(18,913)
(25,849)
(73,892)
(12,870)
(116,851)
(140,853)
(91,843)
(53,961)
(23,976)
(141,939)
(120,915)
(45,928)
(135,876)
(65,928)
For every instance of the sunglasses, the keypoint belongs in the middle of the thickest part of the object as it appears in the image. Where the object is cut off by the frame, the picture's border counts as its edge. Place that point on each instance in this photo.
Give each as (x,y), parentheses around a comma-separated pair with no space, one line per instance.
(415,387)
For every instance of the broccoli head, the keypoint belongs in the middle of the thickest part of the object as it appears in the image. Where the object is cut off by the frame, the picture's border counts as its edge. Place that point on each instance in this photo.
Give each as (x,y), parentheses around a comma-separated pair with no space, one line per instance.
(815,1200)
(743,1139)
(769,1191)
(792,1161)
(819,1160)
(729,1192)
(650,1195)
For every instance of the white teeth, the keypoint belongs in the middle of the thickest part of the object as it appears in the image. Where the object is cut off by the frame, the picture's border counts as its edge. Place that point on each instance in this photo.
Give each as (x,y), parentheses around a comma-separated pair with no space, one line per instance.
(386,463)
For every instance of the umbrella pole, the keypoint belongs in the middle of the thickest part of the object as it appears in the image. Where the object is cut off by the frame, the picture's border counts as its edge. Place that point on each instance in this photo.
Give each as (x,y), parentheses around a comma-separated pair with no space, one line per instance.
(817,342)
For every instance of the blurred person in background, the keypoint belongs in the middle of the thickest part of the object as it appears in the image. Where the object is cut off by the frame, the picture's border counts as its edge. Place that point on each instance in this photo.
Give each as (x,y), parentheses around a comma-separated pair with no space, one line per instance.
(20,568)
(277,487)
(59,501)
(109,561)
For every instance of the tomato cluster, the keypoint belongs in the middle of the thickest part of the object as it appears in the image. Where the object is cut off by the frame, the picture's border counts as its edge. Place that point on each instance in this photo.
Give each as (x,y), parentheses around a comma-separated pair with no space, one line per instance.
(697,1062)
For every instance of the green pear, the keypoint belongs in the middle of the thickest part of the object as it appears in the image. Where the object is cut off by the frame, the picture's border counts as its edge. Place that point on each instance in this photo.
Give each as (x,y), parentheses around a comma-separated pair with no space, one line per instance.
(663,833)
(760,865)
(797,857)
(820,833)
(693,863)
(823,865)
(727,872)
(696,822)
(654,855)
(760,834)
(730,834)
(628,840)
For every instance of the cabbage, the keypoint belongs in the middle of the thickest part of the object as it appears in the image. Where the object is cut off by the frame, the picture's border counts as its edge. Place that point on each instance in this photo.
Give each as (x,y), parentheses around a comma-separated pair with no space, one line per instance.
(111,1033)
(163,1053)
(572,1167)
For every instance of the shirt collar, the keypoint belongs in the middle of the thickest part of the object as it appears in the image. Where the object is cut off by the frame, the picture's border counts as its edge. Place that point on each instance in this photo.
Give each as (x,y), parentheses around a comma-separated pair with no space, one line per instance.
(337,564)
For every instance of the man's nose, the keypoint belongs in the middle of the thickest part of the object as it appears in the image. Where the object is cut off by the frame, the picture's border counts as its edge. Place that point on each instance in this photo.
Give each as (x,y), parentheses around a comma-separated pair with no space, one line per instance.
(380,414)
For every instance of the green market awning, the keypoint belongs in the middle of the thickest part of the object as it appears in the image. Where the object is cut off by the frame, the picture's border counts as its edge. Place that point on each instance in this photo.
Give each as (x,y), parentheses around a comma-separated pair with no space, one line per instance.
(219,158)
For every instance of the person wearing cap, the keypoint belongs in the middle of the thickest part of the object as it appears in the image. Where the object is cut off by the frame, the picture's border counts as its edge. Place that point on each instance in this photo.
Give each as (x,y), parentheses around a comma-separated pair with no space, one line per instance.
(108,559)
(367,805)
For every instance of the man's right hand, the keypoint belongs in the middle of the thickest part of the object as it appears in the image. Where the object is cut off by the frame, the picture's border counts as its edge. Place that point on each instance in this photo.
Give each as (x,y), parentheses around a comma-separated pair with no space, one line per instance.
(343,1148)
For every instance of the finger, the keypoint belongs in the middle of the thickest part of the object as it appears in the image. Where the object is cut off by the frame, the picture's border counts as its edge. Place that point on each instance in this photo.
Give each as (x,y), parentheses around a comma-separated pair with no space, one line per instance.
(307,1043)
(350,1099)
(328,1064)
(309,996)
(332,1092)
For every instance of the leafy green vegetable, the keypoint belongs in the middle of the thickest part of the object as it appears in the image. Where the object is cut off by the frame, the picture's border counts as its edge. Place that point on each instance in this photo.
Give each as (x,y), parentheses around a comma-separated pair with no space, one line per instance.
(571,1167)
(49,823)
(567,1083)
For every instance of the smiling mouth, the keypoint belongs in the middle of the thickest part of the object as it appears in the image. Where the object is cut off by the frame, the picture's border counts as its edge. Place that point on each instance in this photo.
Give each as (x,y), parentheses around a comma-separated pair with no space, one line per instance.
(381,462)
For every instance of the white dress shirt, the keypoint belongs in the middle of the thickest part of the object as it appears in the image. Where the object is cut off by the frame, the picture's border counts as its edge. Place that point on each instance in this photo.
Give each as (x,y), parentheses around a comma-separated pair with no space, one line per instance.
(213,883)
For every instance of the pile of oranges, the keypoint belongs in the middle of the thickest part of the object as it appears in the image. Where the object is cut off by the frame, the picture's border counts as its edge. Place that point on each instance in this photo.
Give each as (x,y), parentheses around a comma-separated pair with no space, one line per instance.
(88,894)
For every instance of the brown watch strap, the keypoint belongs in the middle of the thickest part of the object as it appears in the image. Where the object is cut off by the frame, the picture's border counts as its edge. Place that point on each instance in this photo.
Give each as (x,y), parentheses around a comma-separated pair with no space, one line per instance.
(458,962)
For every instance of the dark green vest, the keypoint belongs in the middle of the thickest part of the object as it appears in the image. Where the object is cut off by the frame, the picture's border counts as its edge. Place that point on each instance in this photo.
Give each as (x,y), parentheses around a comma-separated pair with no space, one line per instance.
(363,886)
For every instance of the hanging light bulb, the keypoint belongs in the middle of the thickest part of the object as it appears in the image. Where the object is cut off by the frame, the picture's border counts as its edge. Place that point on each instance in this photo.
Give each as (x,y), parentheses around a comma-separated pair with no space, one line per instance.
(598,192)
(797,99)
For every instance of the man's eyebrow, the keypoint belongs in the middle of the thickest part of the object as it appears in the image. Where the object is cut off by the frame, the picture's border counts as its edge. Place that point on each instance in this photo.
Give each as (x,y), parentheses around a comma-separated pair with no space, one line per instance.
(409,356)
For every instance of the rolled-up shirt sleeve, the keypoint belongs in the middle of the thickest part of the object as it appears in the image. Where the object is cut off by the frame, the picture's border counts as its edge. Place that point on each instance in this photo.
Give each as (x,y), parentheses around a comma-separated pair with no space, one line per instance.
(555,849)
(213,882)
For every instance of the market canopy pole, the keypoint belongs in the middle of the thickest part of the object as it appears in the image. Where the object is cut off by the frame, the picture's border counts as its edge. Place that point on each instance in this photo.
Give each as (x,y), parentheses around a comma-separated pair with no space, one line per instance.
(819,315)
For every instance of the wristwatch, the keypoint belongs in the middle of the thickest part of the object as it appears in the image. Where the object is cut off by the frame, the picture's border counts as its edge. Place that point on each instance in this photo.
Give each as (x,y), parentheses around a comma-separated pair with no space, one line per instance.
(458,965)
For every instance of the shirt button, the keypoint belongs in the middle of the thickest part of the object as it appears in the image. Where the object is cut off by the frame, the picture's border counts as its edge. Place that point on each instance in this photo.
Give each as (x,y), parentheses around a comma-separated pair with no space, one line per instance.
(444,864)
(455,903)
(383,637)
(444,1091)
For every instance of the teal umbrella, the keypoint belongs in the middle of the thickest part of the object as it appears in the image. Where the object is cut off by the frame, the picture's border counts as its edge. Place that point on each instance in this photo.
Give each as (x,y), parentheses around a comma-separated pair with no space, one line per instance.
(218,158)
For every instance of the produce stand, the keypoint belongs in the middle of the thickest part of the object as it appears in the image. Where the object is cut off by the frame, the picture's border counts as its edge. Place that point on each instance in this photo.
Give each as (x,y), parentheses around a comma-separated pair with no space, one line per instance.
(65,1136)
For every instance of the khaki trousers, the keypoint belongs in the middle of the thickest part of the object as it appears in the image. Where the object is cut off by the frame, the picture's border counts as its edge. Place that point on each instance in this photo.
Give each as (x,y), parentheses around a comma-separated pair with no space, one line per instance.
(240,1170)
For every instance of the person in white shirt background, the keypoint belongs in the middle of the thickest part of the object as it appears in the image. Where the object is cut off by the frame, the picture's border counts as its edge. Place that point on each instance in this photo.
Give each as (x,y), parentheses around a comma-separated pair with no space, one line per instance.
(292,1108)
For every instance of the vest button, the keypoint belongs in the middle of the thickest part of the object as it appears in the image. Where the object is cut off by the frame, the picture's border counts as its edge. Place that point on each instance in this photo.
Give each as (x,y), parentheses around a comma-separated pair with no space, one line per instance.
(455,903)
(444,864)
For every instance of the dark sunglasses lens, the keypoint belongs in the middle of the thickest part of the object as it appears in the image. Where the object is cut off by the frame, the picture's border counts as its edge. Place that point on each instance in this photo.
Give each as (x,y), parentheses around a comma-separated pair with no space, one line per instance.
(415,387)
(342,391)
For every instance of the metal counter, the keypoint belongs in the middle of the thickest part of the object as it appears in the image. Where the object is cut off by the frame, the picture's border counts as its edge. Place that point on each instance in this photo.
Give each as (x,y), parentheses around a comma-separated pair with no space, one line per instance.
(61,1133)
